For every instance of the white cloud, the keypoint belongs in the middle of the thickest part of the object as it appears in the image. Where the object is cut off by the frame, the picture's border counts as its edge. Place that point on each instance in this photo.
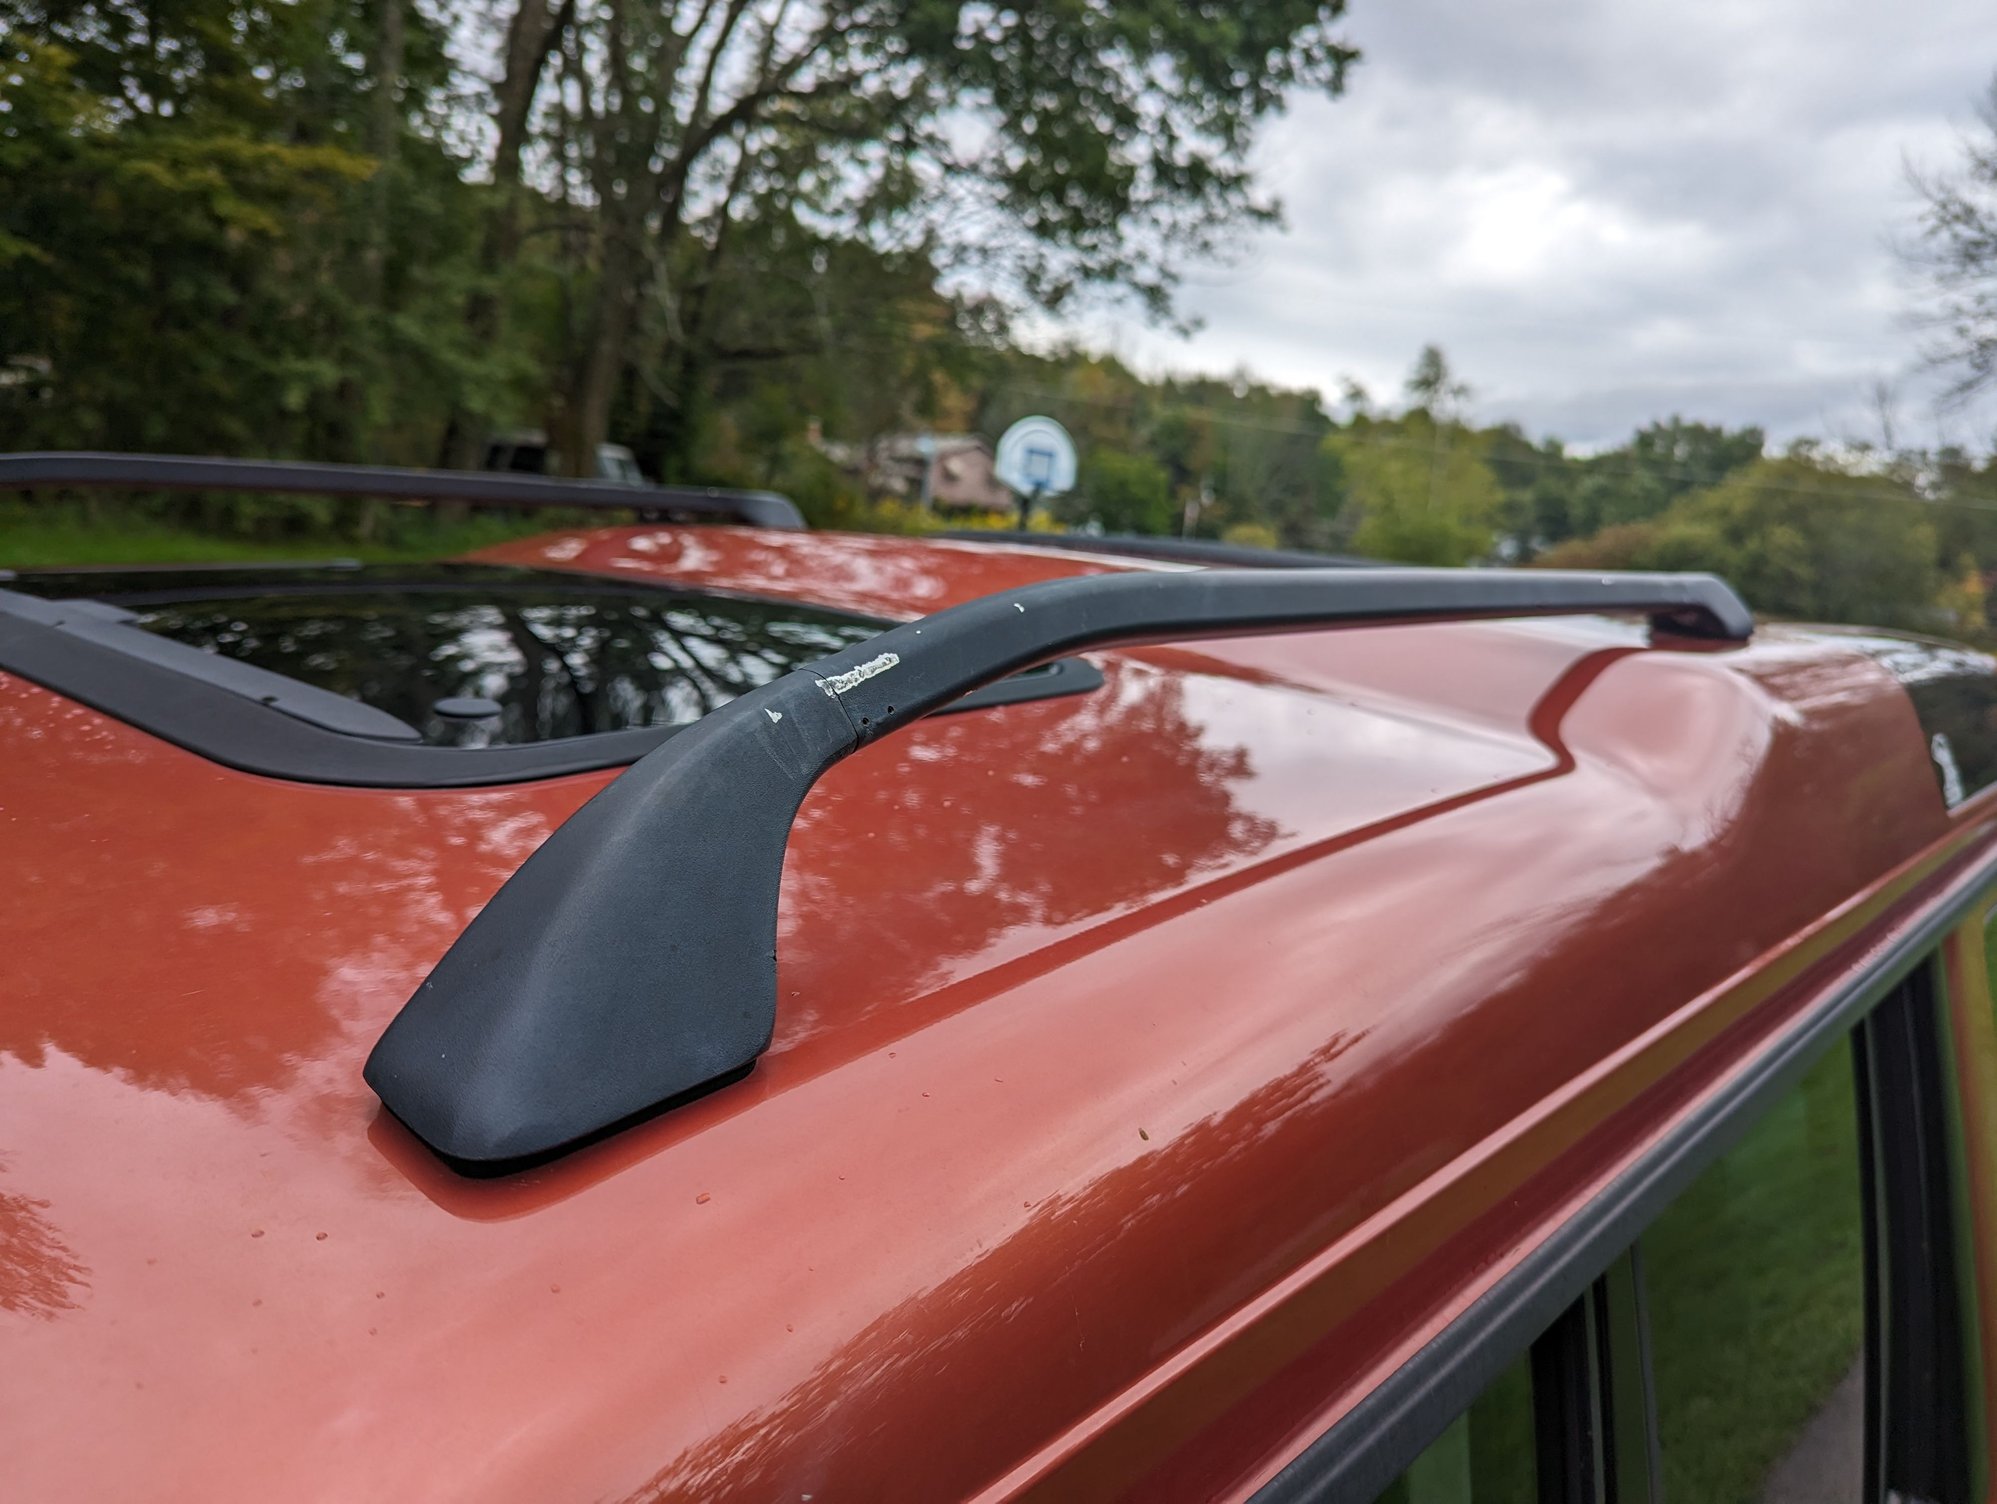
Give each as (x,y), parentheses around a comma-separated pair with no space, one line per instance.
(1605,213)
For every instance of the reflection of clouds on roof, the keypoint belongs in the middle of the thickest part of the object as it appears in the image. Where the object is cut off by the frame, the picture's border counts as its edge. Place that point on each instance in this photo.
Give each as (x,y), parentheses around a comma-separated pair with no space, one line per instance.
(1914,662)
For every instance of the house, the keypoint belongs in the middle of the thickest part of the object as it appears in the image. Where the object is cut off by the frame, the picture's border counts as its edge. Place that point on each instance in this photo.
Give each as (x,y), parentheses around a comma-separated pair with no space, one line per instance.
(951,471)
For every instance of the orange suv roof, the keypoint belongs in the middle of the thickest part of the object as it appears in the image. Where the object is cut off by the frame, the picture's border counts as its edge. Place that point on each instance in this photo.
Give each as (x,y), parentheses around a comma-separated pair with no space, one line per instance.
(1239,1019)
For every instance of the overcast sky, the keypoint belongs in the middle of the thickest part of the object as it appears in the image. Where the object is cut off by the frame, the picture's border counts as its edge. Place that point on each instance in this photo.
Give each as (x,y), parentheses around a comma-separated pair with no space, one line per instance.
(1606,213)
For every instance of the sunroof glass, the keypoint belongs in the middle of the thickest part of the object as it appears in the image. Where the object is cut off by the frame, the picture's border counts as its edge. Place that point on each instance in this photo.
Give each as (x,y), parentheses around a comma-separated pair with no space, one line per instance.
(483,658)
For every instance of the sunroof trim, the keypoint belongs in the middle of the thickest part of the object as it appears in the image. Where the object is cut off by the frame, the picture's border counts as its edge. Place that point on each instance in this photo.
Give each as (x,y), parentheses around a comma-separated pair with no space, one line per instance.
(116,629)
(257,721)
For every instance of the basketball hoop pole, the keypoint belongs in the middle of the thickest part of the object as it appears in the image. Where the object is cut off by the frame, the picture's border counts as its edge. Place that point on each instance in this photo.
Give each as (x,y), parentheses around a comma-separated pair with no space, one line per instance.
(1026,501)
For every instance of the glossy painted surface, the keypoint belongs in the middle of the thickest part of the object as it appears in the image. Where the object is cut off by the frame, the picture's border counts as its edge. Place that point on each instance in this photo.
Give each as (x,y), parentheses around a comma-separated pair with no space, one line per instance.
(1155,1068)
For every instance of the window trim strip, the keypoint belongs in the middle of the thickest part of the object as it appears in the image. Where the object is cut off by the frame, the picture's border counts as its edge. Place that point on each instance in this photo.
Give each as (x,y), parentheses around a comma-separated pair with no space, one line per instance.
(1916,1426)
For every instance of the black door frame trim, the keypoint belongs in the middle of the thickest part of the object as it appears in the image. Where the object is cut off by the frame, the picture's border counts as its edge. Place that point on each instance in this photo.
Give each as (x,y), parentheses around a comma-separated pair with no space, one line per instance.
(1915,1392)
(1371,1444)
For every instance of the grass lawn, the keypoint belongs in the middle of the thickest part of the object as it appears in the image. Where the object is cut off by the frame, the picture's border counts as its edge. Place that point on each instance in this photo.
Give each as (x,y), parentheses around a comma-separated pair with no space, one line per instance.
(1486,1457)
(1755,1281)
(56,537)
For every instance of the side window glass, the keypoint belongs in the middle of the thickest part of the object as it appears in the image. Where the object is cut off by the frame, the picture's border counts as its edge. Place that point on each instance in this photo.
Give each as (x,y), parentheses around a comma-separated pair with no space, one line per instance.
(1990,952)
(1486,1455)
(1755,1283)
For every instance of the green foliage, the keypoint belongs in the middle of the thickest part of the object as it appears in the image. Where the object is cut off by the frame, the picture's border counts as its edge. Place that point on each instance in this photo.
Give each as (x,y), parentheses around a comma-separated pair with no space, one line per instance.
(830,499)
(1677,457)
(1117,133)
(225,231)
(1432,386)
(1798,538)
(1051,149)
(1416,491)
(1639,480)
(301,230)
(1251,535)
(139,260)
(1126,493)
(1755,1282)
(1551,496)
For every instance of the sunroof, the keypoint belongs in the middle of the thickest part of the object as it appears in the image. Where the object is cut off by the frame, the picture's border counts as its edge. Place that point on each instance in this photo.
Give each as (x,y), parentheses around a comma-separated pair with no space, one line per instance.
(434,674)
(481,656)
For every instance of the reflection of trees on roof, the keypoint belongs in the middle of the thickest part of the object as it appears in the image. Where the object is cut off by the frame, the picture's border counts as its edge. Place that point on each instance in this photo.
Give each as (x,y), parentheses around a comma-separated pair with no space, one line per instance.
(1036,815)
(1028,818)
(206,932)
(559,661)
(39,1275)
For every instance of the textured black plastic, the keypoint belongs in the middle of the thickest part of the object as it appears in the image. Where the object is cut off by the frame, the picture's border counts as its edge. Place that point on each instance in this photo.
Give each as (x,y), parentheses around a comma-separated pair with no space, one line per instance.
(940,656)
(633,957)
(172,472)
(110,628)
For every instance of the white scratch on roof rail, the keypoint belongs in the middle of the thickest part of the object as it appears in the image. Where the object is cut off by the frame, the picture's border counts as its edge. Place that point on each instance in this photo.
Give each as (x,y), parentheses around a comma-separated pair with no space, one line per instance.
(853,678)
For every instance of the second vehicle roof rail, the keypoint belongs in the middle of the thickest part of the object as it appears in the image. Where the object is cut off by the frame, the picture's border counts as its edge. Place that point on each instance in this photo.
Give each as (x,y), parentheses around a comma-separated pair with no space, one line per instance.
(173,472)
(632,959)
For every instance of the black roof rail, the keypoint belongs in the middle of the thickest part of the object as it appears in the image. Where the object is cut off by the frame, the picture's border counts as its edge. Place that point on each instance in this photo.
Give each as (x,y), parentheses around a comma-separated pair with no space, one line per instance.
(1173,550)
(172,472)
(632,961)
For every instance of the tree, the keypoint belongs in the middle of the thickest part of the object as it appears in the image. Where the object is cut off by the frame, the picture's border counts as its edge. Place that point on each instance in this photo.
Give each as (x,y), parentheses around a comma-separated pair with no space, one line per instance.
(234,229)
(1965,516)
(1678,456)
(1126,493)
(135,228)
(1797,538)
(801,325)
(1432,386)
(1538,483)
(1955,252)
(1416,491)
(1050,147)
(1640,479)
(1183,441)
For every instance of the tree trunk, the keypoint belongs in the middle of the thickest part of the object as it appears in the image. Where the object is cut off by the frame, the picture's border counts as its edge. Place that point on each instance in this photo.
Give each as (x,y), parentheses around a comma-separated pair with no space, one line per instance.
(384,127)
(530,40)
(384,140)
(688,359)
(606,342)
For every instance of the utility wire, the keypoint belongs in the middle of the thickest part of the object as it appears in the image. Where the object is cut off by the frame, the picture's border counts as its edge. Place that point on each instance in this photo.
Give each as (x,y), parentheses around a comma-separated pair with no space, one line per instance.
(1533,456)
(1140,399)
